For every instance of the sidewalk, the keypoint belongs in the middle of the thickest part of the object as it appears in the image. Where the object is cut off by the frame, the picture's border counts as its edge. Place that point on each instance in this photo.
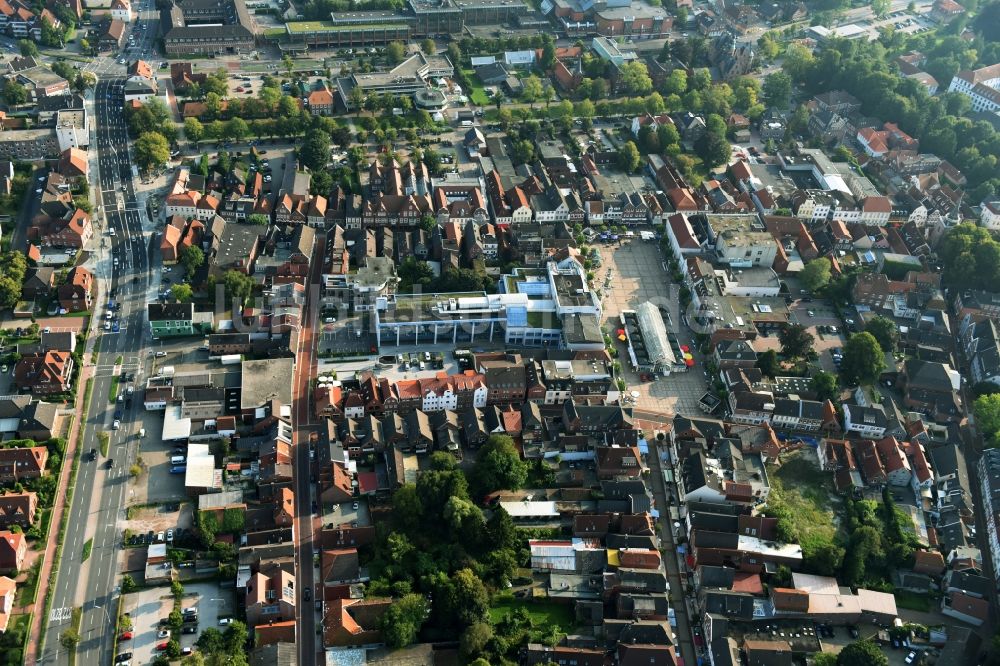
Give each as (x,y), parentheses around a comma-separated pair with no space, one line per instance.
(40,622)
(86,374)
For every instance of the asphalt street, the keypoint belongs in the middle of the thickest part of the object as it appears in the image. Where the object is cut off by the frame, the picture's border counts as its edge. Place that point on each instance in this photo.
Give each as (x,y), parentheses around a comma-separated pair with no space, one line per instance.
(306,526)
(98,502)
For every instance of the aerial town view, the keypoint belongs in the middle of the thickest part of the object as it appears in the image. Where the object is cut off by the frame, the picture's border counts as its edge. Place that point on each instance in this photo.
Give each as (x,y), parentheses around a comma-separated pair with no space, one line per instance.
(499,332)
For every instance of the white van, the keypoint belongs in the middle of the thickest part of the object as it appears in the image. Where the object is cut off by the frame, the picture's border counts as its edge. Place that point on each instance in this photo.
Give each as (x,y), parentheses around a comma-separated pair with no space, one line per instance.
(177,460)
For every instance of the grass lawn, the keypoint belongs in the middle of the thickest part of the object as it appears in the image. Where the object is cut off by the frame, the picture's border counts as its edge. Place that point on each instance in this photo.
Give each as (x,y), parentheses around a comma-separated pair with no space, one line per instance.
(809,494)
(26,591)
(912,601)
(541,613)
(477,94)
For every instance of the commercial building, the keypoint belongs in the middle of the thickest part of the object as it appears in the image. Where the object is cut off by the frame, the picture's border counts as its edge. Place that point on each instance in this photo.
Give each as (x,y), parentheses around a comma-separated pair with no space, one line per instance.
(72,129)
(981,86)
(741,241)
(552,307)
(608,50)
(410,77)
(28,144)
(419,18)
(989,477)
(207,26)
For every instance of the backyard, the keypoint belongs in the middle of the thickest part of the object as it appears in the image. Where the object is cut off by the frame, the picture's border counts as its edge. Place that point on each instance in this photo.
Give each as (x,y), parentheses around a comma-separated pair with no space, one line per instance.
(477,93)
(804,495)
(543,614)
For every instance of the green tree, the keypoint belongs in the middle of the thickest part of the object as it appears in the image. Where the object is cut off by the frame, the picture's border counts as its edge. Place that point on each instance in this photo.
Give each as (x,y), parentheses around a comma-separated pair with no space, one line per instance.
(532,90)
(315,150)
(824,385)
(548,59)
(474,640)
(629,157)
(14,93)
(211,641)
(499,465)
(634,76)
(402,621)
(151,150)
(880,7)
(501,530)
(191,258)
(428,46)
(238,286)
(863,360)
(182,292)
(986,410)
(69,639)
(816,274)
(713,149)
(395,52)
(237,129)
(524,151)
(796,341)
(128,584)
(27,47)
(258,219)
(10,291)
(235,637)
(824,659)
(778,89)
(884,331)
(768,363)
(194,130)
(862,653)
(676,83)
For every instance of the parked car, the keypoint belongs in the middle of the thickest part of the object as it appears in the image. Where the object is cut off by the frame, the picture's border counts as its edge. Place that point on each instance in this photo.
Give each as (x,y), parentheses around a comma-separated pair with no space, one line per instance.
(127,636)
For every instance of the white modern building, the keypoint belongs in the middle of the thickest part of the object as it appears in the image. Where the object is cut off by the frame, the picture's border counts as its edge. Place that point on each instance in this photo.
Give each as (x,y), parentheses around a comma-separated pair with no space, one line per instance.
(990,215)
(981,86)
(72,129)
(550,307)
(121,10)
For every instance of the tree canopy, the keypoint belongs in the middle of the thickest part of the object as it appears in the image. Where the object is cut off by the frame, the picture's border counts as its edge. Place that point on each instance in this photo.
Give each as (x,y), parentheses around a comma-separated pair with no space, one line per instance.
(986,409)
(824,385)
(885,331)
(499,465)
(863,359)
(862,653)
(151,150)
(402,621)
(816,274)
(796,341)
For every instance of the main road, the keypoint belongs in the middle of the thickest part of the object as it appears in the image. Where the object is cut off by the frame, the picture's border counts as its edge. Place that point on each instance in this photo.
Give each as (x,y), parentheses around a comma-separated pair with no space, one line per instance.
(306,526)
(97,509)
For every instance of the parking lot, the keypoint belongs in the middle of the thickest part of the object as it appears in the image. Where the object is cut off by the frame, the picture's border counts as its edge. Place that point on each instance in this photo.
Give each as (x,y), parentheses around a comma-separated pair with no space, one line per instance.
(345,513)
(147,607)
(637,276)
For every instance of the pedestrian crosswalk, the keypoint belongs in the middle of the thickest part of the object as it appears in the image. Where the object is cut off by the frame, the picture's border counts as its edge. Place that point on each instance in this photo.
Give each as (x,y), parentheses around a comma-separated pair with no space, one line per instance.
(60,614)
